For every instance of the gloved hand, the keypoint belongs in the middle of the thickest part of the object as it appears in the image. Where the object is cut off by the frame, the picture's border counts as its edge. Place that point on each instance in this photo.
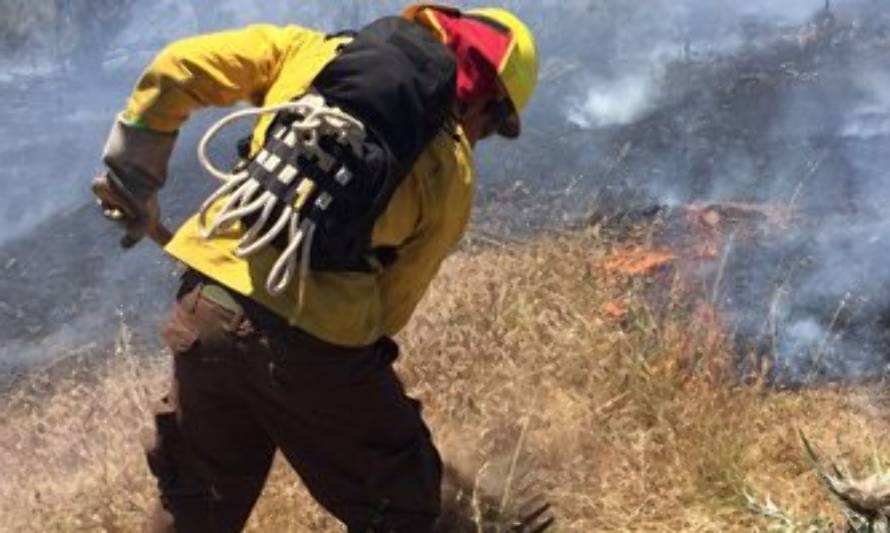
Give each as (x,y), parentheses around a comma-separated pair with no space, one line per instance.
(137,218)
(137,160)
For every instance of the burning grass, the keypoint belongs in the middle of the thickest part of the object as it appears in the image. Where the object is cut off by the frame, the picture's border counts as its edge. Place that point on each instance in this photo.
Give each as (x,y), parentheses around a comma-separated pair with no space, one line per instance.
(630,424)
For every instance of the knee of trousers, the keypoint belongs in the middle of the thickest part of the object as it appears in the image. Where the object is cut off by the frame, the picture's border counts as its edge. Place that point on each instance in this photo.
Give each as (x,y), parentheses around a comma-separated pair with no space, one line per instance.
(171,462)
(409,494)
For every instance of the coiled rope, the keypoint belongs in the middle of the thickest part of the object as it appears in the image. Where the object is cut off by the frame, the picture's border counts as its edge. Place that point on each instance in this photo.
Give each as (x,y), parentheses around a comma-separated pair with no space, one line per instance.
(314,120)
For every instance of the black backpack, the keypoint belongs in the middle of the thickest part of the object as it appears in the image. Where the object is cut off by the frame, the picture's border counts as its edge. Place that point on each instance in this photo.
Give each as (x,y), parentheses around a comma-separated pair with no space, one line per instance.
(400,81)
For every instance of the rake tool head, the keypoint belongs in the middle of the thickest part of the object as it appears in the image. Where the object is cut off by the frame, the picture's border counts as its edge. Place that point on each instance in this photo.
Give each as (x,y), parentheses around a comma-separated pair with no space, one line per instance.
(535,516)
(527,509)
(473,504)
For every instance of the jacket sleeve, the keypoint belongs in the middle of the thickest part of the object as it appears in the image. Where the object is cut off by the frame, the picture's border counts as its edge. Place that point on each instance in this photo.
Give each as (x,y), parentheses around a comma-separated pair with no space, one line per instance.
(217,69)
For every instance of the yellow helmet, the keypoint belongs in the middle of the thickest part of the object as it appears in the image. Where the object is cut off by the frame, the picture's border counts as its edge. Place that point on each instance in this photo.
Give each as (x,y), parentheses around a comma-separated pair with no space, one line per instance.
(518,70)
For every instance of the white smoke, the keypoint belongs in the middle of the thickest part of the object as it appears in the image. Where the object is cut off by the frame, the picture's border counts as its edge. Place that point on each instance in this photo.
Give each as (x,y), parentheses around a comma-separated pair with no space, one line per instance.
(613,102)
(872,117)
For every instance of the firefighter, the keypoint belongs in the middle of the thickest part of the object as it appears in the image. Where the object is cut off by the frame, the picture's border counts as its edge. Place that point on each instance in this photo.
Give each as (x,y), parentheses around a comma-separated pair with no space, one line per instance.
(253,371)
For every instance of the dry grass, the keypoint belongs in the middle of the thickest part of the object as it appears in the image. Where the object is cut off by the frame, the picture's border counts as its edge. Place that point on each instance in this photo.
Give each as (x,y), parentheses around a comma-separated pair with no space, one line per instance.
(629,424)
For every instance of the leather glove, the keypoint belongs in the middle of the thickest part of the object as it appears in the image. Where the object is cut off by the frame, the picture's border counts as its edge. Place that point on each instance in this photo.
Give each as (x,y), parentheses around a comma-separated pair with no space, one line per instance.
(137,218)
(137,160)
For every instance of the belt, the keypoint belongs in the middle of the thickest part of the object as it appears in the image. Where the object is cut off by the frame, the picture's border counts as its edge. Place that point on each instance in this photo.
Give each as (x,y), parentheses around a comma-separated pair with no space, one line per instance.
(267,321)
(221,297)
(230,300)
(271,323)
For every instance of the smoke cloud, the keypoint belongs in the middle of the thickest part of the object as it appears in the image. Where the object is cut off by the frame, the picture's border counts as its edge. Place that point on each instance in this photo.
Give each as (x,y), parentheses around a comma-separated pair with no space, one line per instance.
(640,103)
(616,102)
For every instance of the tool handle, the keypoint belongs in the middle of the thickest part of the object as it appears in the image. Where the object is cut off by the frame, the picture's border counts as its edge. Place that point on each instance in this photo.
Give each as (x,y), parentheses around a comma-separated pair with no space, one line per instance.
(157,232)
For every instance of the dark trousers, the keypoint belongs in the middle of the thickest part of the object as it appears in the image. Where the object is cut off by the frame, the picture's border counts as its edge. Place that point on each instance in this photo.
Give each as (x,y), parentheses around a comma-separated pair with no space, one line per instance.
(339,415)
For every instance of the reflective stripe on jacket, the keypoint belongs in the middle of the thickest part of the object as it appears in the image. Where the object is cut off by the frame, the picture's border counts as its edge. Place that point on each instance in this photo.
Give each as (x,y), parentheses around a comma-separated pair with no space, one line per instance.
(424,220)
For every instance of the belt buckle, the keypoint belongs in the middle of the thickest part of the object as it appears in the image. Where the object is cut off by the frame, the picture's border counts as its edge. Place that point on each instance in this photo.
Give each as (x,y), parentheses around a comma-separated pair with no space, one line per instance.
(221,297)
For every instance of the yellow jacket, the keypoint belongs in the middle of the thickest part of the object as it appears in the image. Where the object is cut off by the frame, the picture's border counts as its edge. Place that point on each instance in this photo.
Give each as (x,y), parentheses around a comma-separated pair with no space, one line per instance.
(424,220)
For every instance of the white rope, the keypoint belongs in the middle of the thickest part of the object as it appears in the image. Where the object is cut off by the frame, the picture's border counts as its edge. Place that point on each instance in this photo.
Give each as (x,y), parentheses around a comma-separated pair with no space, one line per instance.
(230,213)
(248,244)
(227,188)
(304,264)
(245,197)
